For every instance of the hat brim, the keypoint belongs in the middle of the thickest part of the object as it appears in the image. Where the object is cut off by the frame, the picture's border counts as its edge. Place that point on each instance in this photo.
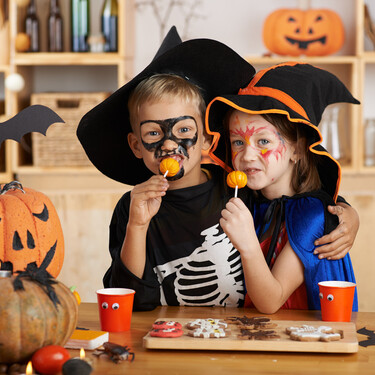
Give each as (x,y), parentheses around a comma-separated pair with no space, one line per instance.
(103,131)
(328,168)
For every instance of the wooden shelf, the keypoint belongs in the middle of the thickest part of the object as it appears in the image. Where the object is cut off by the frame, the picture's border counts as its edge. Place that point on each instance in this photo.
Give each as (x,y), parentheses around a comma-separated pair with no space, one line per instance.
(266,60)
(67,58)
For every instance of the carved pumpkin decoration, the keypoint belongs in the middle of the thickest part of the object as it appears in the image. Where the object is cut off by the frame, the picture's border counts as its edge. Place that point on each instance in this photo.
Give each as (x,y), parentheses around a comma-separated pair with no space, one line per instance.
(29,228)
(30,318)
(236,178)
(295,32)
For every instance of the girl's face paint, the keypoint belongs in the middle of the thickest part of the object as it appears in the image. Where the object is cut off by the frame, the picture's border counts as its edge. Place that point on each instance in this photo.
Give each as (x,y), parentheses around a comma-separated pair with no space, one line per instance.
(260,151)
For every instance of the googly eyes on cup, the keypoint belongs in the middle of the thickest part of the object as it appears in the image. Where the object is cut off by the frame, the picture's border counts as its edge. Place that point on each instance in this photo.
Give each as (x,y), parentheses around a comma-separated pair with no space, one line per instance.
(329,297)
(115,306)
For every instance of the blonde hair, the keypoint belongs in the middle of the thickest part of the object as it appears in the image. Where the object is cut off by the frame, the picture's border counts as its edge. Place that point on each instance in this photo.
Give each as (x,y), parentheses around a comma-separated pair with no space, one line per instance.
(158,86)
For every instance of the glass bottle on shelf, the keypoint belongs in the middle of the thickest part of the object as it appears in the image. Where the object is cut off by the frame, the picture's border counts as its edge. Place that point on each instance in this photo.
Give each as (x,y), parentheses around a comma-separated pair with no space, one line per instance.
(55,28)
(333,138)
(370,142)
(32,26)
(109,25)
(80,25)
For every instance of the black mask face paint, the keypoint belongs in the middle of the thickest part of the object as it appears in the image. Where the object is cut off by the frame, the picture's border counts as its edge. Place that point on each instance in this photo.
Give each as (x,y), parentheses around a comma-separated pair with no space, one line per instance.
(167,127)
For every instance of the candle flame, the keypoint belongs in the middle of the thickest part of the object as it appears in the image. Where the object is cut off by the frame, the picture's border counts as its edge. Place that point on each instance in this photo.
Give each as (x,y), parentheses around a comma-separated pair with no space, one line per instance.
(82,354)
(29,368)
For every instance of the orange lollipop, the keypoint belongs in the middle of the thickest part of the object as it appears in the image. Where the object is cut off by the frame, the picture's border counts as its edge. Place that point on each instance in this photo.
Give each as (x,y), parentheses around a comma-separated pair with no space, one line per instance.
(236,179)
(169,167)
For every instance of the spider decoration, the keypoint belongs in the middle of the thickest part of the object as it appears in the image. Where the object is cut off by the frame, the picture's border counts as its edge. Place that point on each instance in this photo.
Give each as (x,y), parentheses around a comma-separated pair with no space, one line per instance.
(116,353)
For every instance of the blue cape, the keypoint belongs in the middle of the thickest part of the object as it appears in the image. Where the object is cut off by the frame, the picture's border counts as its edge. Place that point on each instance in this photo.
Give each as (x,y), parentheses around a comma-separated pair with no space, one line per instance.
(306,220)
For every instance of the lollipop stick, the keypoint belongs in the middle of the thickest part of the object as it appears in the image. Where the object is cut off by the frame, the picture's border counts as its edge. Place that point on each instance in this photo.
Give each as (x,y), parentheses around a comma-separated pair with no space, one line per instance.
(235,191)
(165,174)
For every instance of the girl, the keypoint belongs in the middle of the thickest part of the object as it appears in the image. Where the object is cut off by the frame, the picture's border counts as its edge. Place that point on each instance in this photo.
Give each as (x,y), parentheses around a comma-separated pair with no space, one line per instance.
(274,139)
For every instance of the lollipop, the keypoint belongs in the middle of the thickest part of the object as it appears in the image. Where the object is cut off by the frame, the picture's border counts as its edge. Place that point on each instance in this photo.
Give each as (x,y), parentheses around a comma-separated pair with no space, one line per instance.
(236,179)
(169,167)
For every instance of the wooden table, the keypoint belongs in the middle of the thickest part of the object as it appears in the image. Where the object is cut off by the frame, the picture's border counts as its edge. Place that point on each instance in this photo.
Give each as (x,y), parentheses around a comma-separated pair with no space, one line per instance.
(224,362)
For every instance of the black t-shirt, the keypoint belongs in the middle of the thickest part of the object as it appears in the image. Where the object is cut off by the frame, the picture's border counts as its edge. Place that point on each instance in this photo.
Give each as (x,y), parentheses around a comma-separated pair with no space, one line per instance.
(189,260)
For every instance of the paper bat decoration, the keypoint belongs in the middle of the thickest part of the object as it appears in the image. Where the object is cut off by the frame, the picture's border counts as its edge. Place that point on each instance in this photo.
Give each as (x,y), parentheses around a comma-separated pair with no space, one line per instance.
(36,118)
(370,337)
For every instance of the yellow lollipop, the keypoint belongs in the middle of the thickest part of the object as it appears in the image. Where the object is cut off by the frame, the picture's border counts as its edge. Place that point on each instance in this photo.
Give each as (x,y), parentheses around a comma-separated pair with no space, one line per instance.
(169,167)
(236,179)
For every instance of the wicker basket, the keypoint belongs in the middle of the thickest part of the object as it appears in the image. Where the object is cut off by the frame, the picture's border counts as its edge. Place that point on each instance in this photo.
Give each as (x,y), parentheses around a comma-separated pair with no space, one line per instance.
(60,147)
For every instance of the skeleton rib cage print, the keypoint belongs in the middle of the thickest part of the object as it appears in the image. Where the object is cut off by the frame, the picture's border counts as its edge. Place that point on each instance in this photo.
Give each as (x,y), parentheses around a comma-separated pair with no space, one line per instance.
(211,276)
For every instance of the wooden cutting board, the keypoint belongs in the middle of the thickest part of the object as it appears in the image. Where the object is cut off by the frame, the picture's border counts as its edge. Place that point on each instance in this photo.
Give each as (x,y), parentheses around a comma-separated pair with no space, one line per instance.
(348,344)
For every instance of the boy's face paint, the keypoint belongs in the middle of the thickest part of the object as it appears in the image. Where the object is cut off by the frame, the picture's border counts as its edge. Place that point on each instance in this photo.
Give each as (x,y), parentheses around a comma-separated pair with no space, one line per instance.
(180,132)
(171,127)
(260,151)
(177,129)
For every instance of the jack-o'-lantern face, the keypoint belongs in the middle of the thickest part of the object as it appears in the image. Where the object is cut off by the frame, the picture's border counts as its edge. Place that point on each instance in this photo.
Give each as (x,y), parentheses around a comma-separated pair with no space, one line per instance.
(295,32)
(29,228)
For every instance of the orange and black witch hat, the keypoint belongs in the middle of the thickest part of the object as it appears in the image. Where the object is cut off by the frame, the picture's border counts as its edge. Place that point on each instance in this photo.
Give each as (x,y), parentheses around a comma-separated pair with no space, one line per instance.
(299,91)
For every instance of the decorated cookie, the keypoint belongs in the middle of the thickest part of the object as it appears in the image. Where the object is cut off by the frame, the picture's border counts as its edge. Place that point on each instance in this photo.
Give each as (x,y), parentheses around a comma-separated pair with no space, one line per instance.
(245,322)
(168,332)
(250,334)
(208,332)
(162,324)
(310,333)
(207,323)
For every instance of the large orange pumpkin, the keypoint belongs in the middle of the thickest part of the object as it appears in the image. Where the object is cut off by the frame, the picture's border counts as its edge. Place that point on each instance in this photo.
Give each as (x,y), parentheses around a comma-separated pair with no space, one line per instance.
(30,319)
(295,32)
(29,228)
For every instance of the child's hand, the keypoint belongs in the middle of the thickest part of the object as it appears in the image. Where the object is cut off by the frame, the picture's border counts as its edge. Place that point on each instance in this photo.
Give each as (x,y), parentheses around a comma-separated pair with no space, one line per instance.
(146,199)
(237,222)
(338,243)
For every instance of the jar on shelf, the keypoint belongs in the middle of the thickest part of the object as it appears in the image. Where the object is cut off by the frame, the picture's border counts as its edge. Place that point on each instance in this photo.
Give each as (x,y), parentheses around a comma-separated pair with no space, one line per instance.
(369,141)
(333,138)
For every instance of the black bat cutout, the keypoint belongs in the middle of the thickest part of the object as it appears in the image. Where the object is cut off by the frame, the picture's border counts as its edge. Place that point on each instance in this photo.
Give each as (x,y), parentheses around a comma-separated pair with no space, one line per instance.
(36,118)
(370,337)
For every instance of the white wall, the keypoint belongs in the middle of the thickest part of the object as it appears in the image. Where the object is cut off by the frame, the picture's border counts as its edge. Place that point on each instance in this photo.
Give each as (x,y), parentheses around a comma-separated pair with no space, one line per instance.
(237,23)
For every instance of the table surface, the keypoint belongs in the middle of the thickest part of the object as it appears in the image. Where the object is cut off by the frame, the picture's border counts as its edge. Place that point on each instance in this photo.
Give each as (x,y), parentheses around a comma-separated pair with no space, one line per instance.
(154,361)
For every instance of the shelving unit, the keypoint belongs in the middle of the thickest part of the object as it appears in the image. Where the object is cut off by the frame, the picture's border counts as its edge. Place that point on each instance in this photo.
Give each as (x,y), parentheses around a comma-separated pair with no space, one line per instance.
(66,65)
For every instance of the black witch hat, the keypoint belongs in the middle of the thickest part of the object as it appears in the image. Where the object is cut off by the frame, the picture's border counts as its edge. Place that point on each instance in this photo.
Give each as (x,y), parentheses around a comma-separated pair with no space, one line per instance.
(212,66)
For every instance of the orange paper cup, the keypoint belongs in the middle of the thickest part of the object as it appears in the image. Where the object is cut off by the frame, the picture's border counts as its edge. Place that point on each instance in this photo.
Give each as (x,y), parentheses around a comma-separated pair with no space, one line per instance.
(336,300)
(115,308)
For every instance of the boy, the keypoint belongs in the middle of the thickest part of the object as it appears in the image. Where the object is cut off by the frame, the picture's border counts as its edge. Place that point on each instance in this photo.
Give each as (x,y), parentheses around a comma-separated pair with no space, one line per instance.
(167,245)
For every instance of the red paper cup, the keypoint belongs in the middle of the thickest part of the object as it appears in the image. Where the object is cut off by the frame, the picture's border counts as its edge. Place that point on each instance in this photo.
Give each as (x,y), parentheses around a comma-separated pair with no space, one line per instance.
(336,300)
(115,308)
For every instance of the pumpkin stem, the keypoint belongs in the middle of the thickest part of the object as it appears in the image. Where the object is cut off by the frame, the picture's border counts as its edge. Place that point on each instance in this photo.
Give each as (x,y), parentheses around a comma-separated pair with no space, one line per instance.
(14,185)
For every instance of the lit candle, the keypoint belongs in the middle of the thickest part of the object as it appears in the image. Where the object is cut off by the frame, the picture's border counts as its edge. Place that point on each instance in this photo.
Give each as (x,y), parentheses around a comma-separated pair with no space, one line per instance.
(82,355)
(29,368)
